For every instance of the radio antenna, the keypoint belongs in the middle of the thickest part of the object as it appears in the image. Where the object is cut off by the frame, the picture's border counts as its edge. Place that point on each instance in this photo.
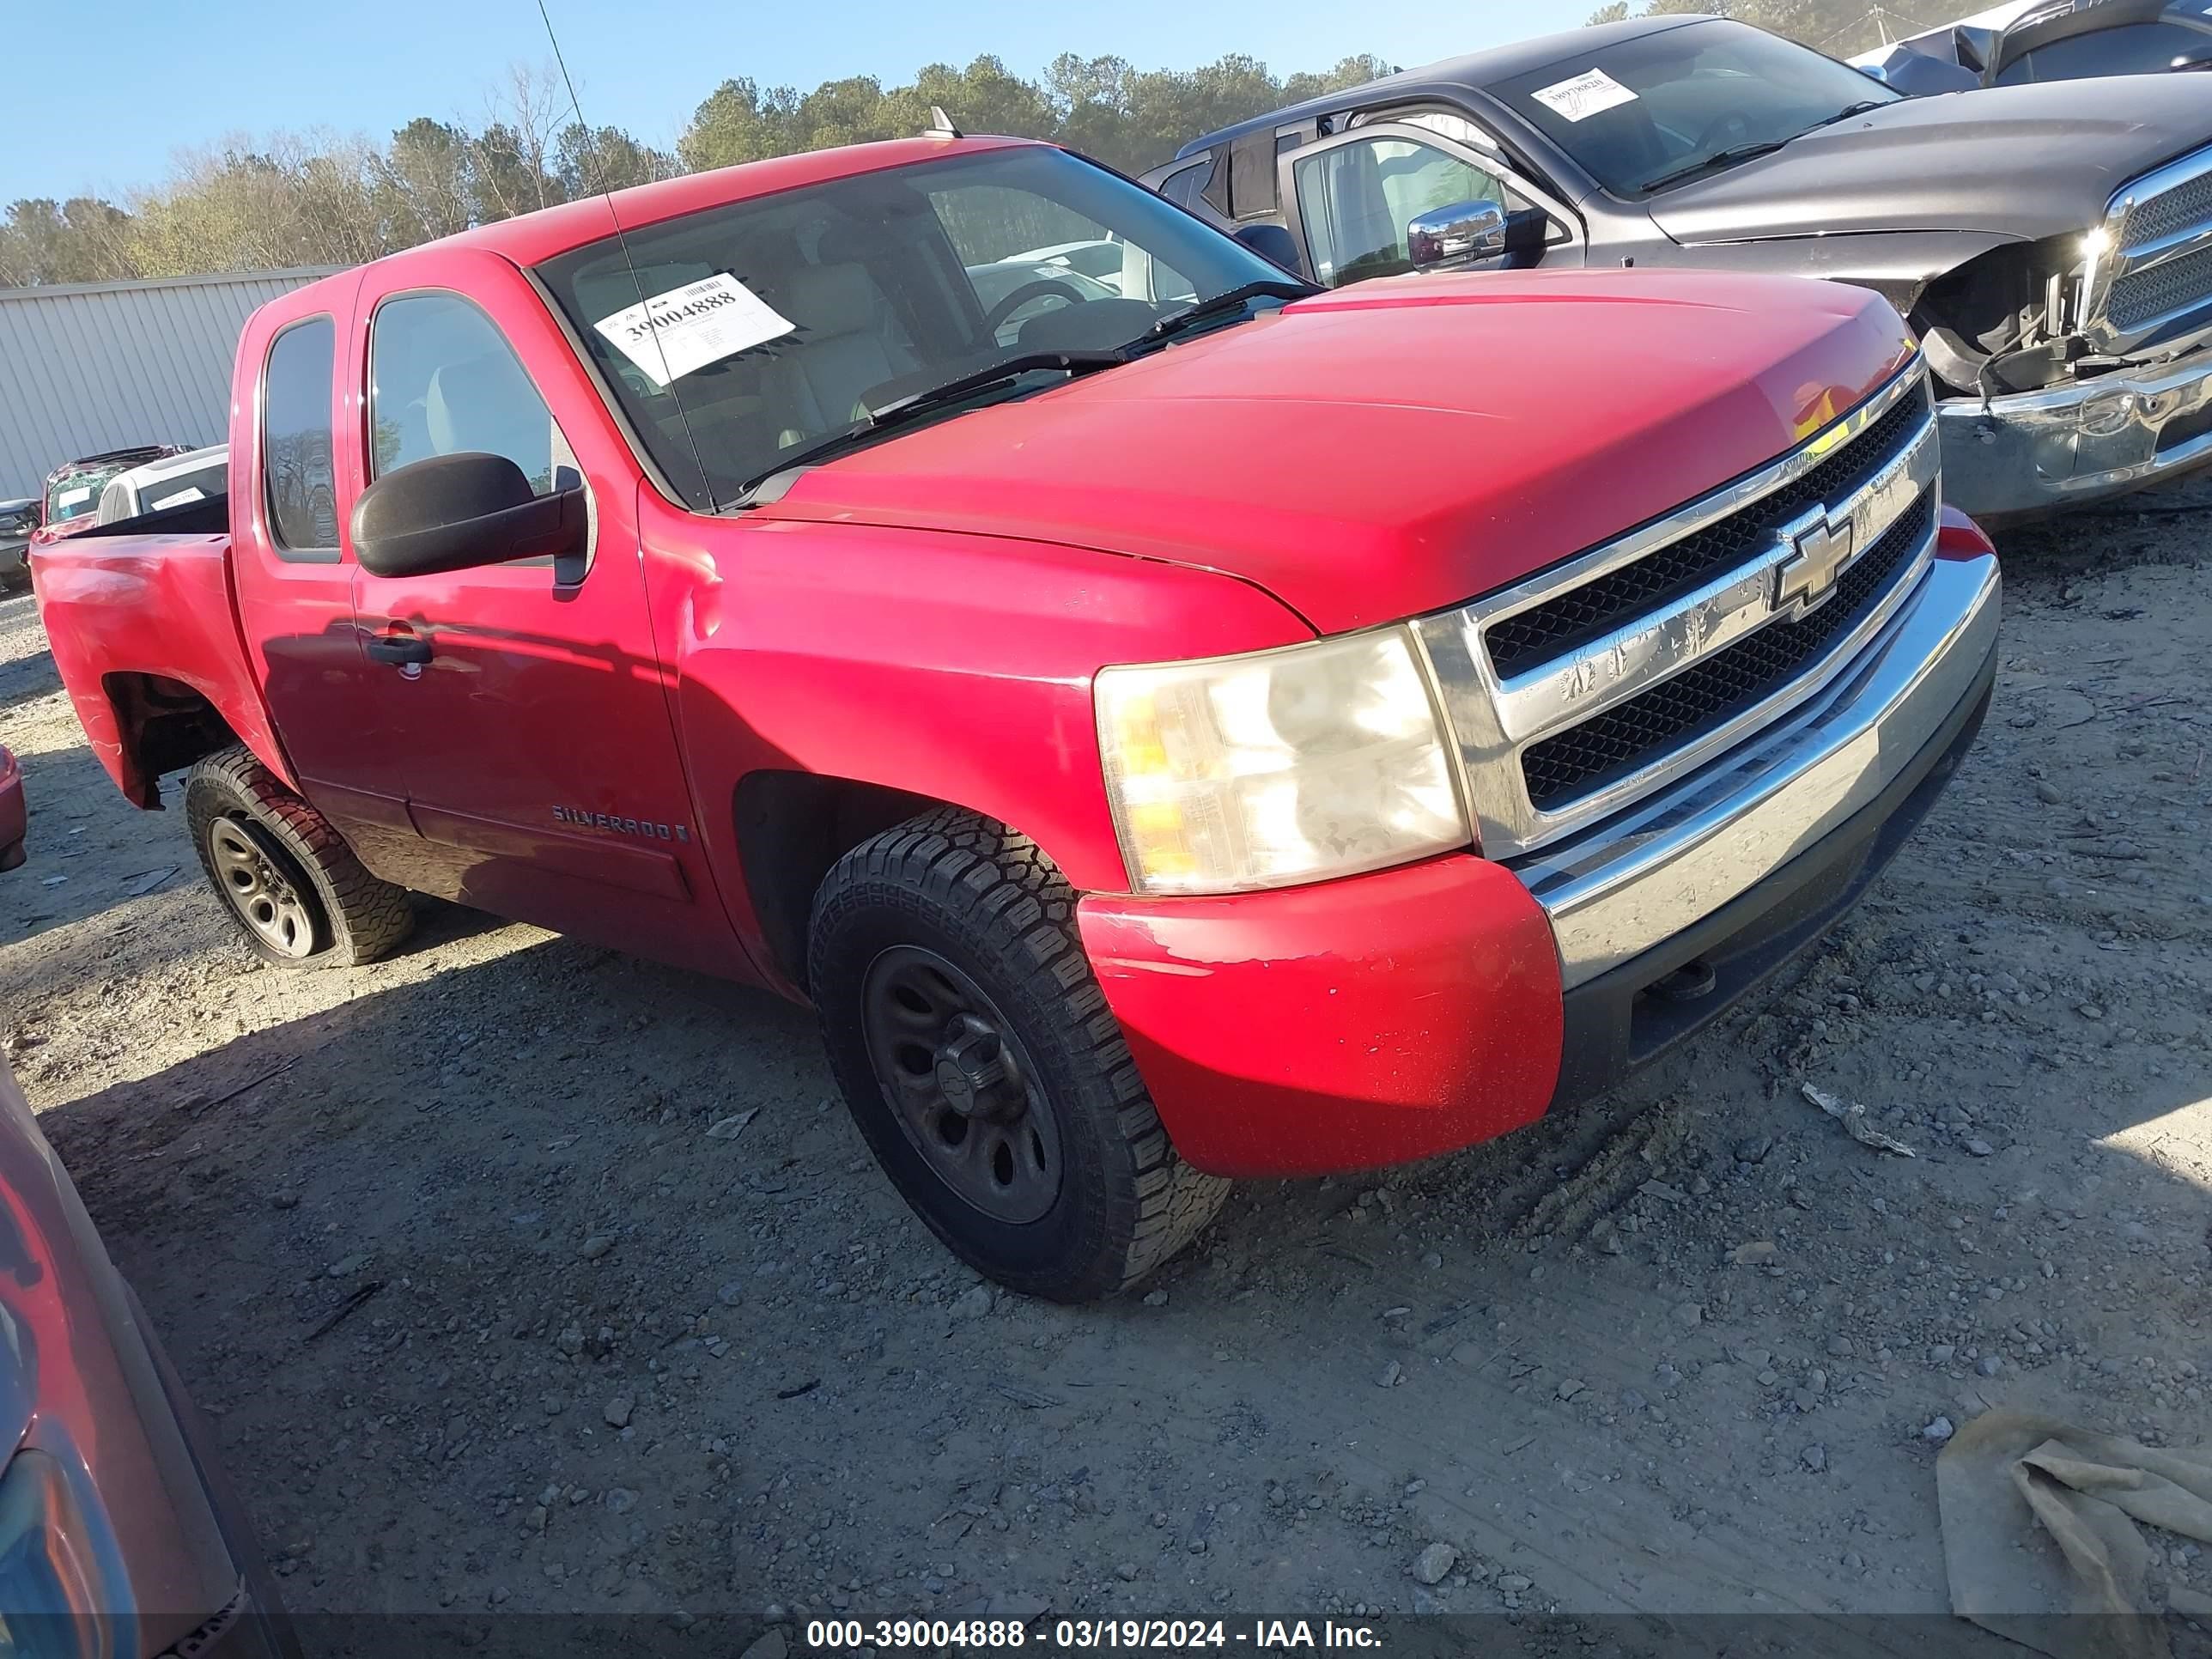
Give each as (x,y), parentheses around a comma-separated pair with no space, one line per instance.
(591,160)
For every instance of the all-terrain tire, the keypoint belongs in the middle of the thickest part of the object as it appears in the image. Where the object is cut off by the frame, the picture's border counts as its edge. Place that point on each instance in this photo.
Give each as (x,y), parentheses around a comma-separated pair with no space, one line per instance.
(355,917)
(985,899)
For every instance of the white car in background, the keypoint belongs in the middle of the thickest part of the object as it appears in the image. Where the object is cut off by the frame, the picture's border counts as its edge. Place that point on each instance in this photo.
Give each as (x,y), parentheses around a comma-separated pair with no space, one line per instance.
(173,481)
(1065,274)
(1013,291)
(1099,258)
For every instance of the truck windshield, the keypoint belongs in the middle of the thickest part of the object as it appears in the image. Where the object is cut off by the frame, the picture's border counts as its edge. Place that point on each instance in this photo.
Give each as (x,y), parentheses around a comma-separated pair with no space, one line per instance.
(76,494)
(737,338)
(1660,109)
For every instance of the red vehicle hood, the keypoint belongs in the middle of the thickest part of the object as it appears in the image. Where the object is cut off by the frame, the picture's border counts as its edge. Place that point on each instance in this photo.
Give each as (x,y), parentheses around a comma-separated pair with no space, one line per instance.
(1401,445)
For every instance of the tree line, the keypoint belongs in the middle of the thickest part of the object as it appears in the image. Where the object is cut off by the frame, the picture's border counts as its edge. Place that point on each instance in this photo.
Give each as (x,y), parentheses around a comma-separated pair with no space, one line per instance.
(316,199)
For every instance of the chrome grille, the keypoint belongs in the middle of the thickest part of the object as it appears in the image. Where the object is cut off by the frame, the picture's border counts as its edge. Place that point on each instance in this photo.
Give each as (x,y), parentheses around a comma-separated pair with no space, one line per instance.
(2159,273)
(1532,637)
(1609,676)
(2187,208)
(1586,757)
(2143,298)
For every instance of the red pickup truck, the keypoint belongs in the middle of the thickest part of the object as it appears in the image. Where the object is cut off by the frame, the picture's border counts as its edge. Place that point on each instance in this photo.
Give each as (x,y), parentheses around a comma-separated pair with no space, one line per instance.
(1172,729)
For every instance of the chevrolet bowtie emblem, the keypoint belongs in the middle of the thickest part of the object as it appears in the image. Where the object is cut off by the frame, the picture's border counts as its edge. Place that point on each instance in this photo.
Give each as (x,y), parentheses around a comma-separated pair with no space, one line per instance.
(1820,547)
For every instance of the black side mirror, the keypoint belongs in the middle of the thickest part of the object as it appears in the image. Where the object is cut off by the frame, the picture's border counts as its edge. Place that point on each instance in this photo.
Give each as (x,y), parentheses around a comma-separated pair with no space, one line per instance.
(1273,243)
(1525,229)
(459,511)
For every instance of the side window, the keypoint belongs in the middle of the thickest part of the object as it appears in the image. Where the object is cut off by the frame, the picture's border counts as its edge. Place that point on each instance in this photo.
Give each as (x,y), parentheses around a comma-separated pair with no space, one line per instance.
(1182,186)
(2128,49)
(1355,201)
(1456,127)
(442,379)
(296,440)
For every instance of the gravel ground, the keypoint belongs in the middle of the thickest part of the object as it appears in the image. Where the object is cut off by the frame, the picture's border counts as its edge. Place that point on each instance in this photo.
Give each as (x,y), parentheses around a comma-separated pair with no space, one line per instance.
(516,1274)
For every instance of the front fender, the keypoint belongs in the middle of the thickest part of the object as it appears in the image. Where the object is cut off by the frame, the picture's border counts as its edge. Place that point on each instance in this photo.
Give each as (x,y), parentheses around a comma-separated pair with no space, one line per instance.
(952,666)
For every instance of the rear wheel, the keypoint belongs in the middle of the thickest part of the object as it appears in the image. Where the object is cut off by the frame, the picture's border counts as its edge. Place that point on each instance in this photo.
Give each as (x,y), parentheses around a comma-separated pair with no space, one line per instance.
(978,1056)
(298,895)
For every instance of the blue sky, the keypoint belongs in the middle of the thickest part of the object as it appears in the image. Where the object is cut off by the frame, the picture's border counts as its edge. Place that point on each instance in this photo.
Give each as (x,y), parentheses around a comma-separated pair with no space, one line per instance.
(148,79)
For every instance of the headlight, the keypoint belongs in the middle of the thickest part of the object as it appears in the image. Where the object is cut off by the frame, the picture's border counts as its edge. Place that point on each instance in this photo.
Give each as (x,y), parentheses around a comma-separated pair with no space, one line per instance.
(58,1600)
(1281,767)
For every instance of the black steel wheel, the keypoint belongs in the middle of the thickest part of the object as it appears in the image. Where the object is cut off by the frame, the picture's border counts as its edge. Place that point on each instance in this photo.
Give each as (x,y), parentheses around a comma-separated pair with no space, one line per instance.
(963,1088)
(979,1058)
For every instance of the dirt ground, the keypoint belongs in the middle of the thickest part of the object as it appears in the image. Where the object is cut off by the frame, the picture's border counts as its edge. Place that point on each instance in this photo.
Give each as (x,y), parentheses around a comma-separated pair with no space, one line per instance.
(494,1303)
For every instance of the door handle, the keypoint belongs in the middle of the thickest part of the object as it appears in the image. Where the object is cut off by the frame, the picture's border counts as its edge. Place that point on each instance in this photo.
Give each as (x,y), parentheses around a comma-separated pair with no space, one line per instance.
(400,650)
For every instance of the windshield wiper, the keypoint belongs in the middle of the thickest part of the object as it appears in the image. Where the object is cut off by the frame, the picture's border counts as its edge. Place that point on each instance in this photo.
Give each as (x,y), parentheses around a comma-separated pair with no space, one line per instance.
(1849,111)
(1744,152)
(1006,369)
(1719,158)
(1267,288)
(899,411)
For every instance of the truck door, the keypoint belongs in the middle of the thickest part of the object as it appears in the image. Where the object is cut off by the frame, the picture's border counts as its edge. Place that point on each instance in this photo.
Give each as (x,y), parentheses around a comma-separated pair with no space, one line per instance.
(526,704)
(294,586)
(1350,198)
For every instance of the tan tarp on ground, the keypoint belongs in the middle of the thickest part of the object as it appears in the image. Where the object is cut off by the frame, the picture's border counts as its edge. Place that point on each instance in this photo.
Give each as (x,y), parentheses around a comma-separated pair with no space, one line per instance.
(2040,1539)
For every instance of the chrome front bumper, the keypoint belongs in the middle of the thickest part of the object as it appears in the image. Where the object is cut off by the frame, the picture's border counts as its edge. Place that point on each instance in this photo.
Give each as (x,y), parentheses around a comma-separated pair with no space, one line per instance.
(2029,451)
(1629,885)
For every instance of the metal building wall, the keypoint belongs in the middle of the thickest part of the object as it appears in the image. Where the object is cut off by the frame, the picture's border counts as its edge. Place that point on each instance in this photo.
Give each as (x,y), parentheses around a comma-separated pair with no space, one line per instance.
(96,366)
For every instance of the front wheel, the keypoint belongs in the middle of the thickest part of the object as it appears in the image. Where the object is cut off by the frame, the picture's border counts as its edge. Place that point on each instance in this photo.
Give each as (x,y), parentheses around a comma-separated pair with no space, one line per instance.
(298,895)
(978,1056)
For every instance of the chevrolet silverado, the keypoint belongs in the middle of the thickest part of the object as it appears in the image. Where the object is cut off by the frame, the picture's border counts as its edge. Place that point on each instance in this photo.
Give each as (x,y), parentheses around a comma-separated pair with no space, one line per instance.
(1203,727)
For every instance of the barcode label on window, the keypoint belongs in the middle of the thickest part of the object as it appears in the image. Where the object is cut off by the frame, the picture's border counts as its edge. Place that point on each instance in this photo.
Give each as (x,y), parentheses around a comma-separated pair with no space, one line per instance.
(1584,96)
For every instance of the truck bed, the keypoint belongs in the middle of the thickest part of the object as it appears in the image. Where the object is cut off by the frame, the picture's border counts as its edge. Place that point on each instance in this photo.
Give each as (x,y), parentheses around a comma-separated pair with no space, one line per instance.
(143,625)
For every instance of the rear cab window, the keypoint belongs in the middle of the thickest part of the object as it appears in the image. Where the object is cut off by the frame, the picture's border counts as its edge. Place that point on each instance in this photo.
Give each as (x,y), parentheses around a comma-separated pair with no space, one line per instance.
(297,480)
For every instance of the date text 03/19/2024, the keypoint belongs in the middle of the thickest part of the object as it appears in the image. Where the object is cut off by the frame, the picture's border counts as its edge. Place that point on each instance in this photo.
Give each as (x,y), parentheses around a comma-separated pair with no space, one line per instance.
(1085,1635)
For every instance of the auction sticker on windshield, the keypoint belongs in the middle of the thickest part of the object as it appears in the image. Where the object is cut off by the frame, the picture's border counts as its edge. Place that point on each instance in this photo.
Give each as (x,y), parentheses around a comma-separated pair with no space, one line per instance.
(670,335)
(1584,96)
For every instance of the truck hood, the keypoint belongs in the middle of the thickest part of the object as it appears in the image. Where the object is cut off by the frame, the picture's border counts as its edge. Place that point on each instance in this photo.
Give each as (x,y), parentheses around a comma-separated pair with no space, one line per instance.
(2029,161)
(1399,446)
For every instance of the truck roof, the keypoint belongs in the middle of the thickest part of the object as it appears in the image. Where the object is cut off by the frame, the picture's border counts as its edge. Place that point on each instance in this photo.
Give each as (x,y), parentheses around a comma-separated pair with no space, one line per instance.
(1473,70)
(529,239)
